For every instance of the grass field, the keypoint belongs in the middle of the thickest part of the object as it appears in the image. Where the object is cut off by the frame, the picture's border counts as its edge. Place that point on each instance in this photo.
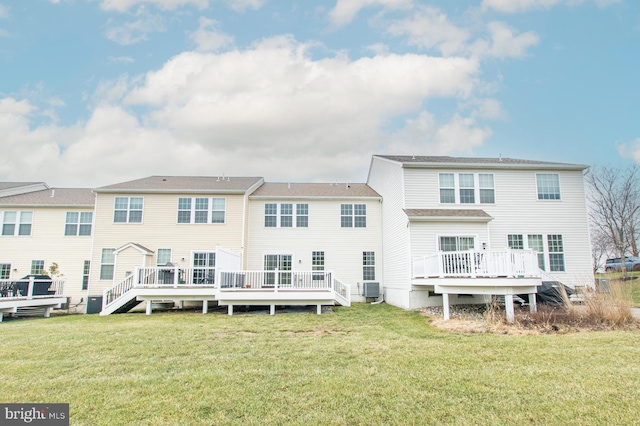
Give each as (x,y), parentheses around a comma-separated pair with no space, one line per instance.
(632,285)
(360,365)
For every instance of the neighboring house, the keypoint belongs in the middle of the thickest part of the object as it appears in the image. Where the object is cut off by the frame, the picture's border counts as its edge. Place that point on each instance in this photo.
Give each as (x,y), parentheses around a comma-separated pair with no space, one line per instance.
(317,227)
(158,220)
(42,226)
(478,209)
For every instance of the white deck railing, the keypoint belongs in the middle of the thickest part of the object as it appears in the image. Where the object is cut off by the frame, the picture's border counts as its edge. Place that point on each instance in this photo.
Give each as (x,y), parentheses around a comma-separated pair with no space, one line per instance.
(477,264)
(277,280)
(31,288)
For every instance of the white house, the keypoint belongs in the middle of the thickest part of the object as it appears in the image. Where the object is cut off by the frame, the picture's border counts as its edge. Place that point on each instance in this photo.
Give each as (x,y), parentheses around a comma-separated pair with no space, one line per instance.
(471,227)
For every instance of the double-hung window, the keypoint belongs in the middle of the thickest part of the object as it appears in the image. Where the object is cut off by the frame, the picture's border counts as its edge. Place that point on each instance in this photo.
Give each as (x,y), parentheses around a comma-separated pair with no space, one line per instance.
(37,267)
(201,210)
(86,268)
(548,186)
(17,222)
(107,263)
(286,215)
(127,210)
(5,271)
(353,215)
(78,223)
(368,266)
(556,253)
(466,188)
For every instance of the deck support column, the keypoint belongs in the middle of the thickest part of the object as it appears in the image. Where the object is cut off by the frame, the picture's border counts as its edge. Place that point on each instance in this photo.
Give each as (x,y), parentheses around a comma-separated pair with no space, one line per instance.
(148,307)
(180,304)
(205,306)
(272,311)
(532,303)
(319,309)
(508,307)
(230,310)
(1,315)
(445,306)
(47,312)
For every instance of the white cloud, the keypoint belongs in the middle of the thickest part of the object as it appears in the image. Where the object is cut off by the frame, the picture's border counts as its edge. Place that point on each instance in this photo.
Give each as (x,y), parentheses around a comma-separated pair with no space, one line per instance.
(208,38)
(346,10)
(427,28)
(514,6)
(504,42)
(4,13)
(425,134)
(120,59)
(630,150)
(124,5)
(267,110)
(135,31)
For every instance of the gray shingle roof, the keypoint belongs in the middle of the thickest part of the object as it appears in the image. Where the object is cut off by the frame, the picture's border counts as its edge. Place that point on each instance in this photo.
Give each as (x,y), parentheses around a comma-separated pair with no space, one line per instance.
(445,161)
(320,190)
(450,214)
(6,185)
(184,184)
(82,197)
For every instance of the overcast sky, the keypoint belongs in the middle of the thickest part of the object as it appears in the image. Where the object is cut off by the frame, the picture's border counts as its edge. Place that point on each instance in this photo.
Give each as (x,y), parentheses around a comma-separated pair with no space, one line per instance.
(94,92)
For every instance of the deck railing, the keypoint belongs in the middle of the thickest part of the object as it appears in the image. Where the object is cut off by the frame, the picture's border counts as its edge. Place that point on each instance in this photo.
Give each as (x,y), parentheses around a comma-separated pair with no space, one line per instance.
(176,276)
(32,288)
(477,263)
(276,280)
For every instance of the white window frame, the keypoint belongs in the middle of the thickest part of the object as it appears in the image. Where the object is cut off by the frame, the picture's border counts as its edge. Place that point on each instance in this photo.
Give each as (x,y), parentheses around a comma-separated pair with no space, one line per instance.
(457,237)
(457,188)
(543,190)
(211,208)
(37,267)
(127,210)
(82,221)
(103,252)
(22,218)
(353,218)
(276,215)
(5,267)
(544,256)
(368,265)
(163,250)
(86,273)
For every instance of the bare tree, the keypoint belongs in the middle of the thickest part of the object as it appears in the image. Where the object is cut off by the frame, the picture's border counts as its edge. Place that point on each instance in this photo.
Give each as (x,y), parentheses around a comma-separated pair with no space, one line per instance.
(600,246)
(614,199)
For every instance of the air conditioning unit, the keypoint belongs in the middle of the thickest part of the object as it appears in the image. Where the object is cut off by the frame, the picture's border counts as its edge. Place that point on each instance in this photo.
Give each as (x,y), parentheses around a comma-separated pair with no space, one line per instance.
(371,289)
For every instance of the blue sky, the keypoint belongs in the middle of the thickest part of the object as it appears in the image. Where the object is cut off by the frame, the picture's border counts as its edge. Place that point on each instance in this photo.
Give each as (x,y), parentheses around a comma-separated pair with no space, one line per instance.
(94,92)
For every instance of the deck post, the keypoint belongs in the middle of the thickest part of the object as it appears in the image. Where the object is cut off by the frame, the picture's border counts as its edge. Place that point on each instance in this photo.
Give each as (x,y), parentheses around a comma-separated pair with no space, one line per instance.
(205,306)
(445,306)
(532,303)
(230,310)
(30,288)
(319,309)
(180,304)
(508,307)
(148,307)
(47,312)
(1,315)
(272,310)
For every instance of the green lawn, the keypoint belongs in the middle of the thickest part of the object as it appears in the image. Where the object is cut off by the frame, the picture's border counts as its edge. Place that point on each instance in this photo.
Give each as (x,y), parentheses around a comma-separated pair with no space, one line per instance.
(360,365)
